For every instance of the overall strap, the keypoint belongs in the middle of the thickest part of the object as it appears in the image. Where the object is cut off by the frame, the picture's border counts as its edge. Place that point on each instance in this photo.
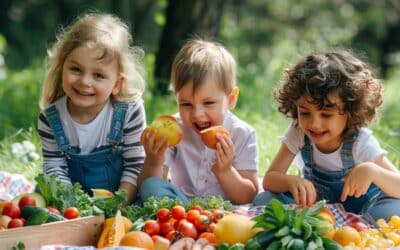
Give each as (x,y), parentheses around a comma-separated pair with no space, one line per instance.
(53,118)
(117,123)
(347,150)
(307,152)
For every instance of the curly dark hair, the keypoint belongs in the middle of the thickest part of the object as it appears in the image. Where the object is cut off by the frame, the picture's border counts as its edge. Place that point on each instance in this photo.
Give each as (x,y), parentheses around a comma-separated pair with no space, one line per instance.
(337,71)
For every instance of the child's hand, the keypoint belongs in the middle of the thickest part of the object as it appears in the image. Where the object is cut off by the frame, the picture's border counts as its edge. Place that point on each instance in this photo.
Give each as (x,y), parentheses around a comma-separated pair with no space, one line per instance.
(357,182)
(155,149)
(224,152)
(303,191)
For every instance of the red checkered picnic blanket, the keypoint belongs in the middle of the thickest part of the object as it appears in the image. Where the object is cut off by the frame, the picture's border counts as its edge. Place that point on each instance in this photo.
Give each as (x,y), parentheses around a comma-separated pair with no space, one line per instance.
(342,217)
(12,185)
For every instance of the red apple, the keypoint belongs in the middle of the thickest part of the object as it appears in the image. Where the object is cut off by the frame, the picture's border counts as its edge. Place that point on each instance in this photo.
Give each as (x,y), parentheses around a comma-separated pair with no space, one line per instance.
(167,126)
(209,138)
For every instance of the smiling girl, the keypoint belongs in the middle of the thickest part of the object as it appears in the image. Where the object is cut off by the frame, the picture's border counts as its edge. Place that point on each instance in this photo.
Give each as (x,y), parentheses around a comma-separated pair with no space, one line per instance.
(330,98)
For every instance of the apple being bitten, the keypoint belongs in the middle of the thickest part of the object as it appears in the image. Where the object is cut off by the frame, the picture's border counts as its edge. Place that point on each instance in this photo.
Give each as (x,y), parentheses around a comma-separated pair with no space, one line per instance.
(209,138)
(167,126)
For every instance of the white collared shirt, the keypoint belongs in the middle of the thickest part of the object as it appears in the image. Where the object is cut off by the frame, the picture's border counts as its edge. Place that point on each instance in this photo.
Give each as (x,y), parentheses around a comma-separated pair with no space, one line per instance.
(190,161)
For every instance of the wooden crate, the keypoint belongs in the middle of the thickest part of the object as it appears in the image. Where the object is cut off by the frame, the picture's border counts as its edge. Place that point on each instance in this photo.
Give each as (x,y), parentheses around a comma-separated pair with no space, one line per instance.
(78,232)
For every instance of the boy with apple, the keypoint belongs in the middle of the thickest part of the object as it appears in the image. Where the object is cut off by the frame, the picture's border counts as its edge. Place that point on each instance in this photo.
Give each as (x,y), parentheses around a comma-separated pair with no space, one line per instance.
(204,84)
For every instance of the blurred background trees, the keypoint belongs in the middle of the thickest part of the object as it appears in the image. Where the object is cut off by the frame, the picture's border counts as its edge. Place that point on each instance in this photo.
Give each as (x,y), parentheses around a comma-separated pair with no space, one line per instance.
(264,36)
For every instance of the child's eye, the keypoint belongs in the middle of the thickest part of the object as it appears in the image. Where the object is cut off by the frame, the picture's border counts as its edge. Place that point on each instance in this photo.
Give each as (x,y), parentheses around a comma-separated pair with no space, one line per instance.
(185,104)
(209,103)
(75,69)
(304,113)
(326,115)
(99,76)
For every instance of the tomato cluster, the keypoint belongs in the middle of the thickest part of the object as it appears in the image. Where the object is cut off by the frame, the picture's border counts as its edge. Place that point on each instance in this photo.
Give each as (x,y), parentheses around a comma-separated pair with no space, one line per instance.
(11,213)
(178,223)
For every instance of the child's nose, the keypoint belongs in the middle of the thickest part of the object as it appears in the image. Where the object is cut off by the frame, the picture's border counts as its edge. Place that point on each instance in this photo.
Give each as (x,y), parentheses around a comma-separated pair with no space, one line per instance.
(197,112)
(315,122)
(86,80)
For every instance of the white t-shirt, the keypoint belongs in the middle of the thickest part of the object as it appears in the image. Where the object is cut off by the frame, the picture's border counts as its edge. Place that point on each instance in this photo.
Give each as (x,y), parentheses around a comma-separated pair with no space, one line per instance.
(365,148)
(190,161)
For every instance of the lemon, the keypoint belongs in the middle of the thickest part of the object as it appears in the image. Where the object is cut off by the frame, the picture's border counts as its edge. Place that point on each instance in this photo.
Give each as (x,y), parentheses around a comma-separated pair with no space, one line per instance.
(234,228)
(101,193)
(346,235)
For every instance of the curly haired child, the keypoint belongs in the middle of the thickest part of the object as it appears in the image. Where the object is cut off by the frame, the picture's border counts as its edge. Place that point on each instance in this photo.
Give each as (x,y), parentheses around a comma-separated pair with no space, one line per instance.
(93,115)
(331,97)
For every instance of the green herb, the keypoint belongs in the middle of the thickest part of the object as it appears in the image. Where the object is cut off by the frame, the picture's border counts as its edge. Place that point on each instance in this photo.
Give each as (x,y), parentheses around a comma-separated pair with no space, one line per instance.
(18,246)
(110,205)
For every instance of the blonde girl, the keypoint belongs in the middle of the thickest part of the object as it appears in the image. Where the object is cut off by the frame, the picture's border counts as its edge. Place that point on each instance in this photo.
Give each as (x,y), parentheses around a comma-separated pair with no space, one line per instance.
(92,113)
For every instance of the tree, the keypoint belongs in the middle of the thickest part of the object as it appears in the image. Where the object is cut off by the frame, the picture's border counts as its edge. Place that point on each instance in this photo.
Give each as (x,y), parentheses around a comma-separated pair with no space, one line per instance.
(184,19)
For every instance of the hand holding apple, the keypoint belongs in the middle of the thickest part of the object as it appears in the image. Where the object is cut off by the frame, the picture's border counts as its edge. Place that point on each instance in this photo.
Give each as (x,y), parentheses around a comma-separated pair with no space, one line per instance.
(167,126)
(209,137)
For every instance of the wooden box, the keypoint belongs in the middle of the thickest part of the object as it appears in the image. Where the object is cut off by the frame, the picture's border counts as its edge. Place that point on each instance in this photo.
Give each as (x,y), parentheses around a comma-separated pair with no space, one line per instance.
(78,232)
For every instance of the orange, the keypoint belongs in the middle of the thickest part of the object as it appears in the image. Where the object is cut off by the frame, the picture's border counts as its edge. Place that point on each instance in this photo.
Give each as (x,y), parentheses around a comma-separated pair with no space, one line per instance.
(327,215)
(345,235)
(137,239)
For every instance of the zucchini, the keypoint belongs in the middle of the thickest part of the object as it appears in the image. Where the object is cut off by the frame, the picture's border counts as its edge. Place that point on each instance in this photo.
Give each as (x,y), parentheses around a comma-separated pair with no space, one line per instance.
(54,217)
(261,240)
(28,211)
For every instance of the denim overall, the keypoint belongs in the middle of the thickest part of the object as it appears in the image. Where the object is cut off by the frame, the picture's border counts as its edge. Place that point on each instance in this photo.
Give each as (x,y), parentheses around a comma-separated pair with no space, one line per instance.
(329,185)
(101,168)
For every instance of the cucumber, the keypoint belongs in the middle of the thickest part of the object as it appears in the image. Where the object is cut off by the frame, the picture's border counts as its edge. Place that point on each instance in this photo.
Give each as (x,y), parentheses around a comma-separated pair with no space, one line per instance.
(28,211)
(54,217)
(39,217)
(261,240)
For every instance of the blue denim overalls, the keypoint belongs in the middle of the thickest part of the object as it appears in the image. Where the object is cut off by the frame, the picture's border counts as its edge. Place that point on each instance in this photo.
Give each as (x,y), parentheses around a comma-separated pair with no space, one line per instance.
(101,168)
(329,185)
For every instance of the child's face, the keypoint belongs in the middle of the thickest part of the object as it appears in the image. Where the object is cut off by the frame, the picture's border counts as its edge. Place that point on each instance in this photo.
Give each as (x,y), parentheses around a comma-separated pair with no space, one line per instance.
(88,81)
(205,107)
(323,126)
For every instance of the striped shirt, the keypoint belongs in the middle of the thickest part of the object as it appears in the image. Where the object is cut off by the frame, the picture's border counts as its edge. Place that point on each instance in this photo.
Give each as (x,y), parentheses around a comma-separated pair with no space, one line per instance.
(92,136)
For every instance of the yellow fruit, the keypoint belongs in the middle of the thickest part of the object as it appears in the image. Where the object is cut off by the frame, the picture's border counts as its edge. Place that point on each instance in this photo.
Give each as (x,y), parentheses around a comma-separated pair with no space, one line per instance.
(101,193)
(394,221)
(137,239)
(327,215)
(345,235)
(234,228)
(169,127)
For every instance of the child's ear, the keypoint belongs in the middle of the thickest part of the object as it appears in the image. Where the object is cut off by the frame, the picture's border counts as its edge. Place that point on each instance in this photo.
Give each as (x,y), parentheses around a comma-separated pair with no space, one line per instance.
(232,97)
(119,84)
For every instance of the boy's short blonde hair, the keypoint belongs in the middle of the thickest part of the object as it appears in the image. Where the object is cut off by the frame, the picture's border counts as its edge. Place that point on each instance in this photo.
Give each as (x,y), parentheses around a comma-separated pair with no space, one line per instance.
(199,61)
(102,31)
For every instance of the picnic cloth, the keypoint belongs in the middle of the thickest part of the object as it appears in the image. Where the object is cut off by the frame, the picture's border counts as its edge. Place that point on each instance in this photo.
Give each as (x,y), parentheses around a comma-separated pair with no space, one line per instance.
(12,185)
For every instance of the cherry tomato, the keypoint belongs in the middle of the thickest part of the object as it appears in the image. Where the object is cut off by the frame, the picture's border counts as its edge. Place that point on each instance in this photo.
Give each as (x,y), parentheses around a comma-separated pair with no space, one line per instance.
(187,229)
(210,237)
(163,215)
(71,213)
(217,214)
(207,213)
(166,227)
(26,201)
(12,210)
(192,215)
(178,212)
(197,207)
(211,227)
(152,227)
(202,222)
(15,223)
(173,236)
(54,210)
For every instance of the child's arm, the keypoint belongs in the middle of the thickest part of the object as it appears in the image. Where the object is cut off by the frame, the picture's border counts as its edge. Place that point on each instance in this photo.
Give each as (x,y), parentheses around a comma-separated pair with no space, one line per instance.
(153,165)
(131,191)
(230,179)
(381,172)
(276,180)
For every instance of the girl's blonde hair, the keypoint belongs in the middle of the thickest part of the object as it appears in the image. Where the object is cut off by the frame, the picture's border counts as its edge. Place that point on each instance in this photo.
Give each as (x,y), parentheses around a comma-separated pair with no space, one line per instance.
(200,60)
(102,31)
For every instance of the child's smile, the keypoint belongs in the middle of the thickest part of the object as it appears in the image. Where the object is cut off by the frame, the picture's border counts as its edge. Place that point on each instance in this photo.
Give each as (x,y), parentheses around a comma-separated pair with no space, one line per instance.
(323,126)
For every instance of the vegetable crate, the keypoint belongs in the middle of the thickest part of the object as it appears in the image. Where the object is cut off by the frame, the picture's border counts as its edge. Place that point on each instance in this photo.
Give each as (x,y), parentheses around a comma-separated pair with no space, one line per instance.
(78,232)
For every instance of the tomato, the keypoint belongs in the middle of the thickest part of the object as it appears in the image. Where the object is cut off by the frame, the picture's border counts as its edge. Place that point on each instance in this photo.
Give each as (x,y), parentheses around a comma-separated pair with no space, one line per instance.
(197,207)
(12,210)
(210,237)
(202,222)
(178,212)
(152,227)
(217,214)
(173,236)
(71,213)
(15,223)
(192,215)
(163,215)
(26,201)
(54,210)
(207,213)
(166,227)
(187,229)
